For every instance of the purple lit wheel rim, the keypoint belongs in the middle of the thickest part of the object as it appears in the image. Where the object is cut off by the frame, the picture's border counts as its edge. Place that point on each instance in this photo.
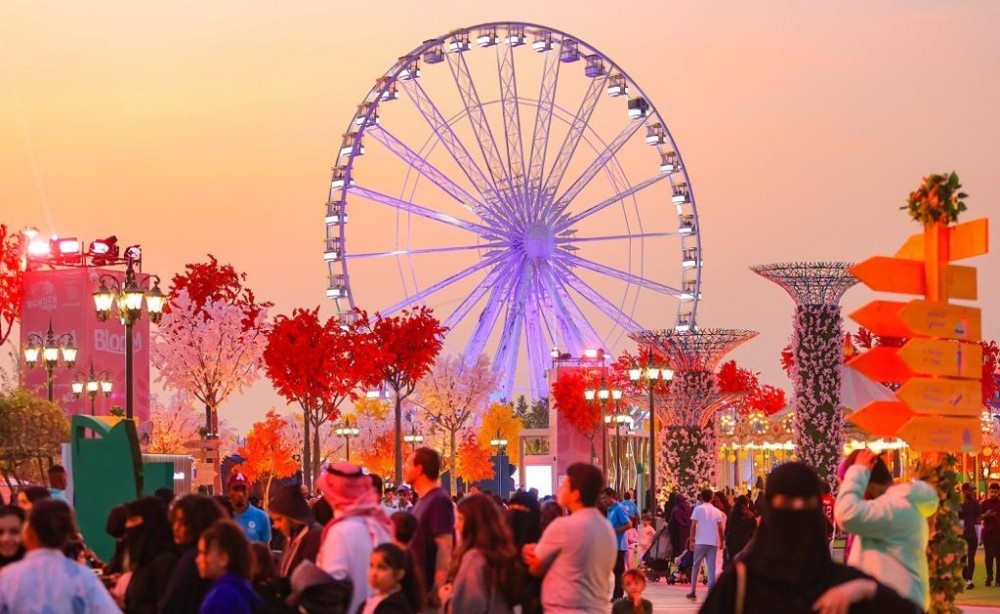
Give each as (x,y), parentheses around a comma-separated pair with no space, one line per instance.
(520,191)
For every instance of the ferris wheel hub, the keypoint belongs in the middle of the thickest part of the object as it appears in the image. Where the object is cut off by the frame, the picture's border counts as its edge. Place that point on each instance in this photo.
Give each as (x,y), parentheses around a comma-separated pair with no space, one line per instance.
(539,241)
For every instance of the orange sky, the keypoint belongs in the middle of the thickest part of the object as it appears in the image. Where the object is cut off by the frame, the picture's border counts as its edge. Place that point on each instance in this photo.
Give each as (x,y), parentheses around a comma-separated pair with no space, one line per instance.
(197,127)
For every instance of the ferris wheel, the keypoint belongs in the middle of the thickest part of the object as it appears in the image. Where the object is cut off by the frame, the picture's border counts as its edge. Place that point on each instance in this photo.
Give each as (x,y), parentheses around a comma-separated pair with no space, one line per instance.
(519,182)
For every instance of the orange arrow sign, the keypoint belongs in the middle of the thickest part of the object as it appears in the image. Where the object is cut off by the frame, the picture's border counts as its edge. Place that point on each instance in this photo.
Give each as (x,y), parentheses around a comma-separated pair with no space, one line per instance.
(882,364)
(881,418)
(965,240)
(943,357)
(925,395)
(942,434)
(884,274)
(943,320)
(919,317)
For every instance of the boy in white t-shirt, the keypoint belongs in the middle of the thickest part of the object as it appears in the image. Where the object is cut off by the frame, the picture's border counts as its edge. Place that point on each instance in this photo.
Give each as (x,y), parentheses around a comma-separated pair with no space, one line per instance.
(706,538)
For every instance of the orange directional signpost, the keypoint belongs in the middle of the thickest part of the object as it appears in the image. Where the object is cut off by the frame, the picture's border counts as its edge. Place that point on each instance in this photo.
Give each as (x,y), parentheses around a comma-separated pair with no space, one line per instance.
(940,366)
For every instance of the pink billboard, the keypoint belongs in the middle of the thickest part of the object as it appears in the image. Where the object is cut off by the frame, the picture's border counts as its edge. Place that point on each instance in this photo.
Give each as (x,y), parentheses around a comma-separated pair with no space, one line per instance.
(64,298)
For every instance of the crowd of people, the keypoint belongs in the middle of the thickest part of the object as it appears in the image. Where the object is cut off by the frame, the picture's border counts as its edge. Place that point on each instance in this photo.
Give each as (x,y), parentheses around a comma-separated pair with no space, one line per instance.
(357,548)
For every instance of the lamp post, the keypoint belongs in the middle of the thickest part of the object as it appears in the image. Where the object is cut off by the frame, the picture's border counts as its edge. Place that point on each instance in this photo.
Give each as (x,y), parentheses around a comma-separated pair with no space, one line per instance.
(500,443)
(413,438)
(129,296)
(92,383)
(618,418)
(651,374)
(50,349)
(347,431)
(602,394)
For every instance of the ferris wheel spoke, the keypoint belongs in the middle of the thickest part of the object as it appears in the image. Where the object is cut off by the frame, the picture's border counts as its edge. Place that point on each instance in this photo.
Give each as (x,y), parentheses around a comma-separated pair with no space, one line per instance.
(645,235)
(574,260)
(597,299)
(419,297)
(534,339)
(480,125)
(415,209)
(576,129)
(477,293)
(429,171)
(447,137)
(599,163)
(543,122)
(565,222)
(490,313)
(511,118)
(414,252)
(567,315)
(505,360)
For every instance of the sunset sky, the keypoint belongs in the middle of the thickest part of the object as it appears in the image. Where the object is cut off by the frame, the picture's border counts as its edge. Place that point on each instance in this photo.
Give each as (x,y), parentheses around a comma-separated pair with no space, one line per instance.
(210,127)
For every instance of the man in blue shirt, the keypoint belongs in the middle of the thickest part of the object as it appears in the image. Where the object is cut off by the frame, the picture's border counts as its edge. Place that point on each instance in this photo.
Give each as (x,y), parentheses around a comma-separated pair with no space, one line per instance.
(631,509)
(620,522)
(254,521)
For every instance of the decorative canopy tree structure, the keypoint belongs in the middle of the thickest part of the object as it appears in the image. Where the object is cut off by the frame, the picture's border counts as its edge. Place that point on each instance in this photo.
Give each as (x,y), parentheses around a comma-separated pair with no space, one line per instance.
(689,445)
(817,354)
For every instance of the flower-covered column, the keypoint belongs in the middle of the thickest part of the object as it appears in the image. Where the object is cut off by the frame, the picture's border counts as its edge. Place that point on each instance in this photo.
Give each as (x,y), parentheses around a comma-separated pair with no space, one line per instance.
(688,437)
(817,355)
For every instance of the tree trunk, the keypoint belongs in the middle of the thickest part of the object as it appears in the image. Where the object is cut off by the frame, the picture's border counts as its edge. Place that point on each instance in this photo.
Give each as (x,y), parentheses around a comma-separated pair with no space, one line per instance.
(453,470)
(307,474)
(317,457)
(398,475)
(267,490)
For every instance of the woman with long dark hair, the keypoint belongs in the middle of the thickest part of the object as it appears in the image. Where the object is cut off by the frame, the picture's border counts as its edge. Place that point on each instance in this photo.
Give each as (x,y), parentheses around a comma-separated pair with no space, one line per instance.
(190,517)
(484,576)
(45,580)
(151,554)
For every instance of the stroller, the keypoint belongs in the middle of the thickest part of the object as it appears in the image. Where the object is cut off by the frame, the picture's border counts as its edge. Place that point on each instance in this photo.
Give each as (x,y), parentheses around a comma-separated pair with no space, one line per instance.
(682,570)
(657,560)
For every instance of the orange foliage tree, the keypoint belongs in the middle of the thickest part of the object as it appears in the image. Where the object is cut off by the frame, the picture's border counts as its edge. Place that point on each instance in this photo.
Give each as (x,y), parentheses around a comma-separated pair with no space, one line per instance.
(378,458)
(474,461)
(499,418)
(267,453)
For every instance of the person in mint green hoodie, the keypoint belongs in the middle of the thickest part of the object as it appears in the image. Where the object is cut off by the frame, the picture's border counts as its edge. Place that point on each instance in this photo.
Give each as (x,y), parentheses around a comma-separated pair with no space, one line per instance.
(890,525)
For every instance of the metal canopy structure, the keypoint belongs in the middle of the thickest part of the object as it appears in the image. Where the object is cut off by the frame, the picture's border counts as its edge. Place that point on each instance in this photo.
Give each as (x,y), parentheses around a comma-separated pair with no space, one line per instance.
(519,182)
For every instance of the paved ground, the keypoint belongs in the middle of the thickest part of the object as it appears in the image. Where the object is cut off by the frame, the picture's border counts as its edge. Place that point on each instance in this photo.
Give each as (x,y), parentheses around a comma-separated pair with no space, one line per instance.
(671,599)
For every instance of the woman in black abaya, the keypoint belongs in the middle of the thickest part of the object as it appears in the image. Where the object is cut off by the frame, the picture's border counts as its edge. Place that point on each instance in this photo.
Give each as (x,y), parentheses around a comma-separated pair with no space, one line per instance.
(787,565)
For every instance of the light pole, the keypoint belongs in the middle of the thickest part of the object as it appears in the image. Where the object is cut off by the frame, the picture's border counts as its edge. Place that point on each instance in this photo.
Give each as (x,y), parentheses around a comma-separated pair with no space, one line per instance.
(413,438)
(92,383)
(500,443)
(651,374)
(618,418)
(347,431)
(129,295)
(602,394)
(50,348)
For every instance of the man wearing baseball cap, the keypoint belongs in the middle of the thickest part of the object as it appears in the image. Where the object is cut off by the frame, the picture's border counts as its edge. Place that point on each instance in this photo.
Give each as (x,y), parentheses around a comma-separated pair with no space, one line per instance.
(254,521)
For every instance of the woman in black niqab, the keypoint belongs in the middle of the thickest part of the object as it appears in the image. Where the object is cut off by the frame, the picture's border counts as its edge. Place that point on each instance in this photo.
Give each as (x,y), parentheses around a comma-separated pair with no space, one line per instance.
(788,563)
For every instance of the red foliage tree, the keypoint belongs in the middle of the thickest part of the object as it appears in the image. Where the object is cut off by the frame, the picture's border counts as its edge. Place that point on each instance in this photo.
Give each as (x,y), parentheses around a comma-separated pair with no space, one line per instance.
(11,282)
(218,282)
(568,399)
(267,454)
(766,399)
(406,346)
(317,365)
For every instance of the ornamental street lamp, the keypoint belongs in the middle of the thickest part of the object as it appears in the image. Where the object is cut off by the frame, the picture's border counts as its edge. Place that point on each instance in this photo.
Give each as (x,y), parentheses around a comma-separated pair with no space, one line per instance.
(347,431)
(129,296)
(92,383)
(500,443)
(50,349)
(618,418)
(413,438)
(651,374)
(602,394)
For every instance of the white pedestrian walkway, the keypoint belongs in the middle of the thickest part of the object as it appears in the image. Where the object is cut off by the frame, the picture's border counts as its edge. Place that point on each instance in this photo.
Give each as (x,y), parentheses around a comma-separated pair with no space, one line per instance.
(671,599)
